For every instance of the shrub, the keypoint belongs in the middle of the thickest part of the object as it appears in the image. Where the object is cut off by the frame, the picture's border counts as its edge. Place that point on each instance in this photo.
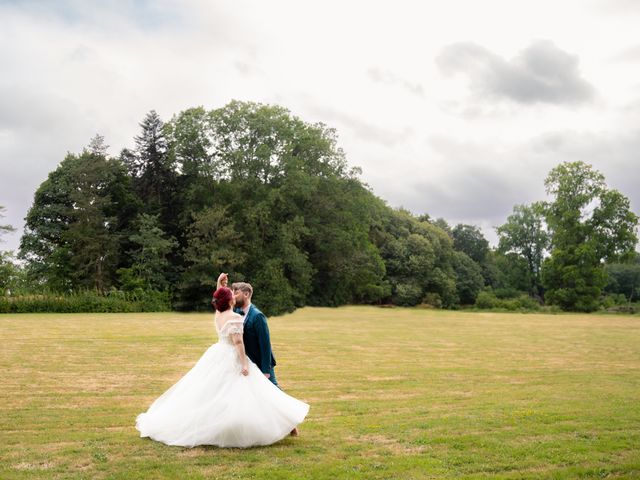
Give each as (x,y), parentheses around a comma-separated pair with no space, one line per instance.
(433,299)
(87,302)
(488,300)
(612,300)
(507,292)
(407,294)
(525,302)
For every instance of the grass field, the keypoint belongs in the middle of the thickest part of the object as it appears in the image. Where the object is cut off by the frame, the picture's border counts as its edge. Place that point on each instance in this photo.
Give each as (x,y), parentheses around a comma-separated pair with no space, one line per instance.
(394,393)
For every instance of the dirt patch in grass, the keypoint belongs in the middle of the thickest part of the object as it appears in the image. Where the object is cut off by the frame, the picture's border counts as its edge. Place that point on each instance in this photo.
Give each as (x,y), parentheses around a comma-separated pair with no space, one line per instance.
(33,466)
(392,445)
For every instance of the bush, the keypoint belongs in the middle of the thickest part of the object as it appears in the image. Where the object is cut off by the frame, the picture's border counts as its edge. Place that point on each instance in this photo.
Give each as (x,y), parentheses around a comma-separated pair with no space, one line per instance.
(487,300)
(433,299)
(525,302)
(88,302)
(507,292)
(407,294)
(612,300)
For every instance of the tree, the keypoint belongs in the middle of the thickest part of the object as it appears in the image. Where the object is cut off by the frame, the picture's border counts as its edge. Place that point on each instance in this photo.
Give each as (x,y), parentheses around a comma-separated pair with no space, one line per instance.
(97,146)
(525,236)
(511,272)
(9,271)
(149,257)
(442,224)
(418,258)
(11,274)
(624,278)
(152,168)
(589,224)
(469,280)
(90,236)
(470,240)
(262,142)
(303,218)
(73,232)
(190,139)
(4,228)
(214,245)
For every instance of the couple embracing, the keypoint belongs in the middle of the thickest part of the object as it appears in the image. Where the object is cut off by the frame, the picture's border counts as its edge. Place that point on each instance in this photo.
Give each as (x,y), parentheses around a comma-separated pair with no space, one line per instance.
(230,398)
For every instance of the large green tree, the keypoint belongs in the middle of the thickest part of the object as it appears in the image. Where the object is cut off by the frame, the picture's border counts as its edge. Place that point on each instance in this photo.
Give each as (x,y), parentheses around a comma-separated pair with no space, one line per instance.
(149,263)
(524,235)
(589,224)
(469,279)
(419,259)
(153,170)
(303,217)
(73,230)
(214,245)
(470,240)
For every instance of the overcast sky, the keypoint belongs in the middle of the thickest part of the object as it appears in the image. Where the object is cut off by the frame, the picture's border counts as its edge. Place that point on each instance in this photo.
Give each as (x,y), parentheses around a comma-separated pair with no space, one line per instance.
(458,109)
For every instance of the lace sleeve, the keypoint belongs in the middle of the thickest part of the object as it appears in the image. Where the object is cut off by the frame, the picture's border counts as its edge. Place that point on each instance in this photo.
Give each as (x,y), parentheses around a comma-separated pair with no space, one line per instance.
(233,327)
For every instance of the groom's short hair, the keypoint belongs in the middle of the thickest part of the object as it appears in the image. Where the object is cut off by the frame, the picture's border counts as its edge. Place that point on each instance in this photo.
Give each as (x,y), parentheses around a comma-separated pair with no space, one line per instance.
(244,287)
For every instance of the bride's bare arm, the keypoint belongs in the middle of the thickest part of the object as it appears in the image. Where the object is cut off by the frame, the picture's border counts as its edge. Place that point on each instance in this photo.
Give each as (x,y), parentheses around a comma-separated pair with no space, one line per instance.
(223,280)
(239,344)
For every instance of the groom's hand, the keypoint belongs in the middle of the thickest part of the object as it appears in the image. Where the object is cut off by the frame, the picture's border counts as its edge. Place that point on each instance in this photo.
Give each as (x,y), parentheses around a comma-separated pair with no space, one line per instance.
(268,375)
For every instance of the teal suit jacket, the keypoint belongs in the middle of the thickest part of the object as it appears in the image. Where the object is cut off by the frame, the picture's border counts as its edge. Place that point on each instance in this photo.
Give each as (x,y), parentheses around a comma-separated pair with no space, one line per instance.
(257,342)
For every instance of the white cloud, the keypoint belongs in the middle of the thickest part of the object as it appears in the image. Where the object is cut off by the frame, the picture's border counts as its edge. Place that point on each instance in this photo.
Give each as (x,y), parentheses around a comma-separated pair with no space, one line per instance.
(541,73)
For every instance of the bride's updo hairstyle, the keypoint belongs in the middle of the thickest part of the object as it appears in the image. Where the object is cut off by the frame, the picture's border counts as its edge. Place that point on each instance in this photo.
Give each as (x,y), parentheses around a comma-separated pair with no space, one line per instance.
(222,299)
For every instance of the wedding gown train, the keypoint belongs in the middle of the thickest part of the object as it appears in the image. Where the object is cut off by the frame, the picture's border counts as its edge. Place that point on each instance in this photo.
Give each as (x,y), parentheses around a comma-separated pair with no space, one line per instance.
(214,404)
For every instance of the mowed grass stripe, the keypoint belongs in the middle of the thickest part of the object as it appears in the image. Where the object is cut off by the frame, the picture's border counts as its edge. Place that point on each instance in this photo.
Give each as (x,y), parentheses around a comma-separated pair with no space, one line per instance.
(394,393)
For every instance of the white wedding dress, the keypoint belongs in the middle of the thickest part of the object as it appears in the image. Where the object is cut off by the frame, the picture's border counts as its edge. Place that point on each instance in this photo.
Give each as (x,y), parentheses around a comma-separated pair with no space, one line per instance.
(214,404)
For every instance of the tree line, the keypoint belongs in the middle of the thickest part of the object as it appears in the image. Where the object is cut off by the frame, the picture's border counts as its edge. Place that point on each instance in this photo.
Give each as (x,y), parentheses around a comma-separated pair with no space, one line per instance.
(251,190)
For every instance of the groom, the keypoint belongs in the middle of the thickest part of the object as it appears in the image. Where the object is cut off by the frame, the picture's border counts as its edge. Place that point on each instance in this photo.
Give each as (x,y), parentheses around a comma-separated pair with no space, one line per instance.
(257,342)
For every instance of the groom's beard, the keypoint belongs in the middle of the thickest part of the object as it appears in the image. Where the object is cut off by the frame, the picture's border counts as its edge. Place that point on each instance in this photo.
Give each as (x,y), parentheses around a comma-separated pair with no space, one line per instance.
(240,302)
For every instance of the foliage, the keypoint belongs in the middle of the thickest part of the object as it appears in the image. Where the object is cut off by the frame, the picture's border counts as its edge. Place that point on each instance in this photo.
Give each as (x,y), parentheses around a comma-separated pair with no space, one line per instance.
(11,275)
(214,245)
(624,279)
(254,191)
(469,280)
(152,168)
(524,235)
(9,272)
(589,224)
(4,228)
(469,240)
(507,271)
(87,301)
(149,266)
(488,300)
(418,256)
(74,230)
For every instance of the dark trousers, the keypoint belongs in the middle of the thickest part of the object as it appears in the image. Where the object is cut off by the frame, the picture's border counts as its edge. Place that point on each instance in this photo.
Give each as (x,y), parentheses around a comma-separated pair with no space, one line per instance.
(272,378)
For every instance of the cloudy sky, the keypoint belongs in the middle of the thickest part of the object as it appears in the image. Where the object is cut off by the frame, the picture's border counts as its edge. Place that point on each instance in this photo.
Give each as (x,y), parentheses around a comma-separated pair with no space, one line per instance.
(458,109)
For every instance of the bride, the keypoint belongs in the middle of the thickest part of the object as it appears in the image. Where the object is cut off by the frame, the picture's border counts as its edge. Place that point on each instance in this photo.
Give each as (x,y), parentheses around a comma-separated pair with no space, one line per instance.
(224,400)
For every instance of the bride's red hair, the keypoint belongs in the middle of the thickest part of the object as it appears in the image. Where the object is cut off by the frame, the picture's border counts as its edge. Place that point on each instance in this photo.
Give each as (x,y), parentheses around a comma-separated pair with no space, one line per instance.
(222,299)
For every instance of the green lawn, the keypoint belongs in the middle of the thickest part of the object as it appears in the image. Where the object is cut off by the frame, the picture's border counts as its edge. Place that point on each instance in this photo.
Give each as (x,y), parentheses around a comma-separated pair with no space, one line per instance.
(394,393)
